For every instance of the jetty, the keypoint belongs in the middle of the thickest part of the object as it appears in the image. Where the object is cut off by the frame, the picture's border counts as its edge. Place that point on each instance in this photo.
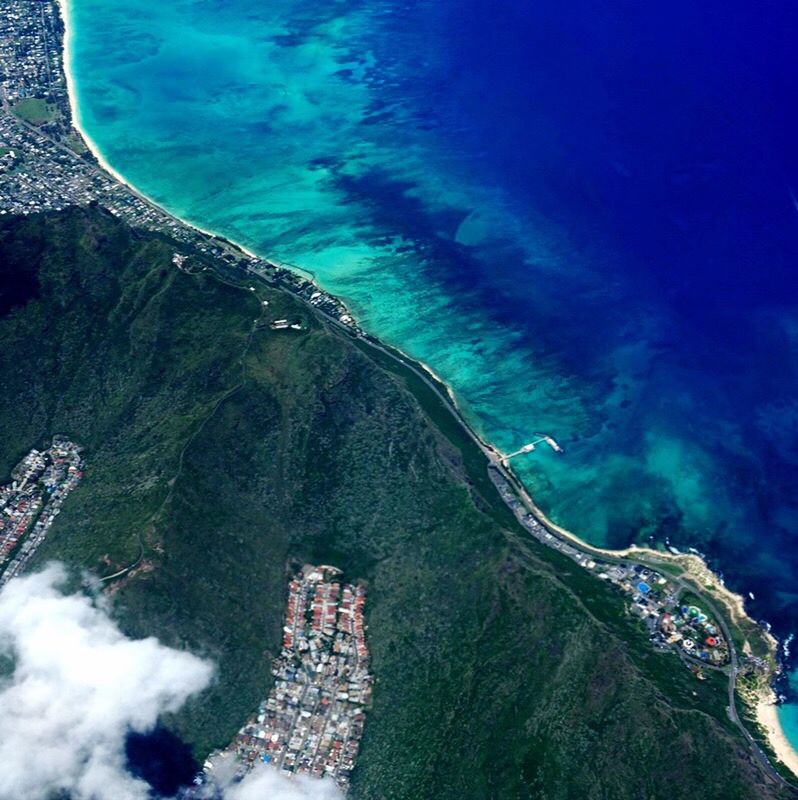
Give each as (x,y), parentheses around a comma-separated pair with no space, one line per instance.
(528,448)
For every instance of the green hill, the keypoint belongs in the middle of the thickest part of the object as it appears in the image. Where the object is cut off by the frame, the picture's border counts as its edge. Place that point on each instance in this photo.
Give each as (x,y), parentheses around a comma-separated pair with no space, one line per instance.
(219,452)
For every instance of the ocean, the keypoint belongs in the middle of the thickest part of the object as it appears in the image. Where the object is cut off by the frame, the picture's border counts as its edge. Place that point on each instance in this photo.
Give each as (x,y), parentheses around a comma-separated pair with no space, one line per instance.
(583,216)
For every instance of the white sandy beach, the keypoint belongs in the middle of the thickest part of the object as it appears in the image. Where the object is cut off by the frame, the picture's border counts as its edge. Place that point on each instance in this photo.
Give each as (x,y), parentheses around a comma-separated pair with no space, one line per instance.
(64,6)
(768,717)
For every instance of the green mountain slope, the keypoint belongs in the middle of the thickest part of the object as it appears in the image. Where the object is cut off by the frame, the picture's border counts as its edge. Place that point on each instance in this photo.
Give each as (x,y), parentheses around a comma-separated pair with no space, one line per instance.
(219,452)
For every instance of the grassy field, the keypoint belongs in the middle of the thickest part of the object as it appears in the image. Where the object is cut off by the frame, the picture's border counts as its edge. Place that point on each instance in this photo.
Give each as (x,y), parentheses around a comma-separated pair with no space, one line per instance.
(225,452)
(35,110)
(75,143)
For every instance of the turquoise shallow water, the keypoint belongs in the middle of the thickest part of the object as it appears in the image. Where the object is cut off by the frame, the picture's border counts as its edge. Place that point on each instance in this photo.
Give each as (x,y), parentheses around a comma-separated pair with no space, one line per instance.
(788,715)
(496,194)
(269,149)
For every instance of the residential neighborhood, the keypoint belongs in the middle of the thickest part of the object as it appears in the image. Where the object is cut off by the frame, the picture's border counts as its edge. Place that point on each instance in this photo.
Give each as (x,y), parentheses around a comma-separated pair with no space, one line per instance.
(31,53)
(313,718)
(40,484)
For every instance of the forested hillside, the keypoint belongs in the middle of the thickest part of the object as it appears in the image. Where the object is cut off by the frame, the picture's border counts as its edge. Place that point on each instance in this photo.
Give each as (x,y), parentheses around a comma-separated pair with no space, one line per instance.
(220,452)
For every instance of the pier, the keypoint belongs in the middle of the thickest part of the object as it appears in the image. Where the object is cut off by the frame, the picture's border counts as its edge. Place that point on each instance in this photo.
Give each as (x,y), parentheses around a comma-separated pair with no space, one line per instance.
(528,448)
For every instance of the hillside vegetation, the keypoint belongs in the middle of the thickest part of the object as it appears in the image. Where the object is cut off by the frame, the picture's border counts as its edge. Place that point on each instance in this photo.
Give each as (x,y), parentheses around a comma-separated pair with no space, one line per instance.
(220,452)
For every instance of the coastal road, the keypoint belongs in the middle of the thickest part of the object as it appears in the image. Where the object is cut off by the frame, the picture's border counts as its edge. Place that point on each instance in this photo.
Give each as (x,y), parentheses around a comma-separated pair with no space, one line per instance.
(759,754)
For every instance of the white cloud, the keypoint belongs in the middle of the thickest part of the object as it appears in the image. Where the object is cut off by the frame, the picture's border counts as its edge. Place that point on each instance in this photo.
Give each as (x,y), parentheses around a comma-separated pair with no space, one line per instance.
(78,687)
(266,783)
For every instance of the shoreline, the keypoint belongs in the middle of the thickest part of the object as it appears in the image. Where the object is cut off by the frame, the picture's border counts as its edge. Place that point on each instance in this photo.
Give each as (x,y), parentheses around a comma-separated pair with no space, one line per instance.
(767,716)
(694,565)
(97,154)
(93,147)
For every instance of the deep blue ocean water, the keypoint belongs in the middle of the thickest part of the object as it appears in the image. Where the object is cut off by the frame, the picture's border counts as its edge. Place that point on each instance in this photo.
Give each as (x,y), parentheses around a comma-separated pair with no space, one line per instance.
(582,215)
